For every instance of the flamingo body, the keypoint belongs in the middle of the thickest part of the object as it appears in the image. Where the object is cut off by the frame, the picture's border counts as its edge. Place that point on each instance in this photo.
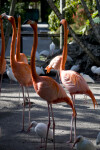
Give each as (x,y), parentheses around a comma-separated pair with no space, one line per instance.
(22,73)
(55,63)
(21,70)
(46,87)
(2,66)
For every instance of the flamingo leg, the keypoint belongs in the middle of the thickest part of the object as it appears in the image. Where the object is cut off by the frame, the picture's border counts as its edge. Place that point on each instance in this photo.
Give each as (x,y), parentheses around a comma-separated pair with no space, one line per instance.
(48,126)
(70,140)
(23,116)
(53,126)
(73,99)
(75,130)
(29,105)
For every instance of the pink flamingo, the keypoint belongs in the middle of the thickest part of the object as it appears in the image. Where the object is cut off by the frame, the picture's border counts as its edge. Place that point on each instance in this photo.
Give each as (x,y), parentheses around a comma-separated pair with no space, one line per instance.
(72,80)
(21,70)
(46,87)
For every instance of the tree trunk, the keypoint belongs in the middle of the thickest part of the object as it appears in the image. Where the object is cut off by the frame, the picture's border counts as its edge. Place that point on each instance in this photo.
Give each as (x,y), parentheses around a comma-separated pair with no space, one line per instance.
(91,20)
(8,30)
(62,5)
(87,51)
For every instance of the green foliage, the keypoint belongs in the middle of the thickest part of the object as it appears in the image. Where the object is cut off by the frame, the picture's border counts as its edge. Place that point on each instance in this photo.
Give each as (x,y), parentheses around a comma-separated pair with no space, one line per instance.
(86,27)
(53,22)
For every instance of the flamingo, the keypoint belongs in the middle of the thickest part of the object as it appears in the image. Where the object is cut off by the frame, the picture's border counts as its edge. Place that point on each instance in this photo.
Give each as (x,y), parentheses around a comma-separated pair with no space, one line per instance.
(55,64)
(20,56)
(21,70)
(41,130)
(2,57)
(82,143)
(46,87)
(72,80)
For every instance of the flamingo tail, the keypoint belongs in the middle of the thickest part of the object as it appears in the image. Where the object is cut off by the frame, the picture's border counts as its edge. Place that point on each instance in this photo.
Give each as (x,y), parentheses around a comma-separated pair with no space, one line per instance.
(68,101)
(90,94)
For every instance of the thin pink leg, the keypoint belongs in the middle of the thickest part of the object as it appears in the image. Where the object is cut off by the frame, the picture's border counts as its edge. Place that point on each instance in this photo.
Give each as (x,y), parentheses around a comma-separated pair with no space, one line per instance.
(23,116)
(29,105)
(48,126)
(75,130)
(53,126)
(73,99)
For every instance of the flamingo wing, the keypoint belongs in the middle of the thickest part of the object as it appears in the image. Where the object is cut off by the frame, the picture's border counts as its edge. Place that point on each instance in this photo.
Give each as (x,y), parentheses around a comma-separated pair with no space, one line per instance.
(49,89)
(74,82)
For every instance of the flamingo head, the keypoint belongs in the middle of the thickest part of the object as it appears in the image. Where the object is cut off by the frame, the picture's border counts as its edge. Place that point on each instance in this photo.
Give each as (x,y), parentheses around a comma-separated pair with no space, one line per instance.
(5,16)
(63,21)
(48,69)
(31,22)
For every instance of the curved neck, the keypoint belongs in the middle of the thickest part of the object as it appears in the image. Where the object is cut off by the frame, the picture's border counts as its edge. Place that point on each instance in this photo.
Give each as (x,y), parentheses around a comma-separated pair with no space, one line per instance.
(64,54)
(12,51)
(3,42)
(18,39)
(33,52)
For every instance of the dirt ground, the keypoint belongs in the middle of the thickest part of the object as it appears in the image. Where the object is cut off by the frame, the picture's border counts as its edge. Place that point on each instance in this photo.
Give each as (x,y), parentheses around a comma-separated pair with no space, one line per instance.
(88,118)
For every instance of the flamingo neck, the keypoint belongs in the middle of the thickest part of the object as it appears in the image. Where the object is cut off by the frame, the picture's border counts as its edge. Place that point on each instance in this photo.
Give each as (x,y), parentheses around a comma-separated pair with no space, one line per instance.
(64,54)
(12,52)
(18,39)
(33,52)
(3,42)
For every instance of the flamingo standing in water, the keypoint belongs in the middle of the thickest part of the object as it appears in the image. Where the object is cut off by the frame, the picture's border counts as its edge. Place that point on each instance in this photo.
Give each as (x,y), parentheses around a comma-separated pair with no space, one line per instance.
(46,87)
(21,70)
(2,57)
(72,80)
